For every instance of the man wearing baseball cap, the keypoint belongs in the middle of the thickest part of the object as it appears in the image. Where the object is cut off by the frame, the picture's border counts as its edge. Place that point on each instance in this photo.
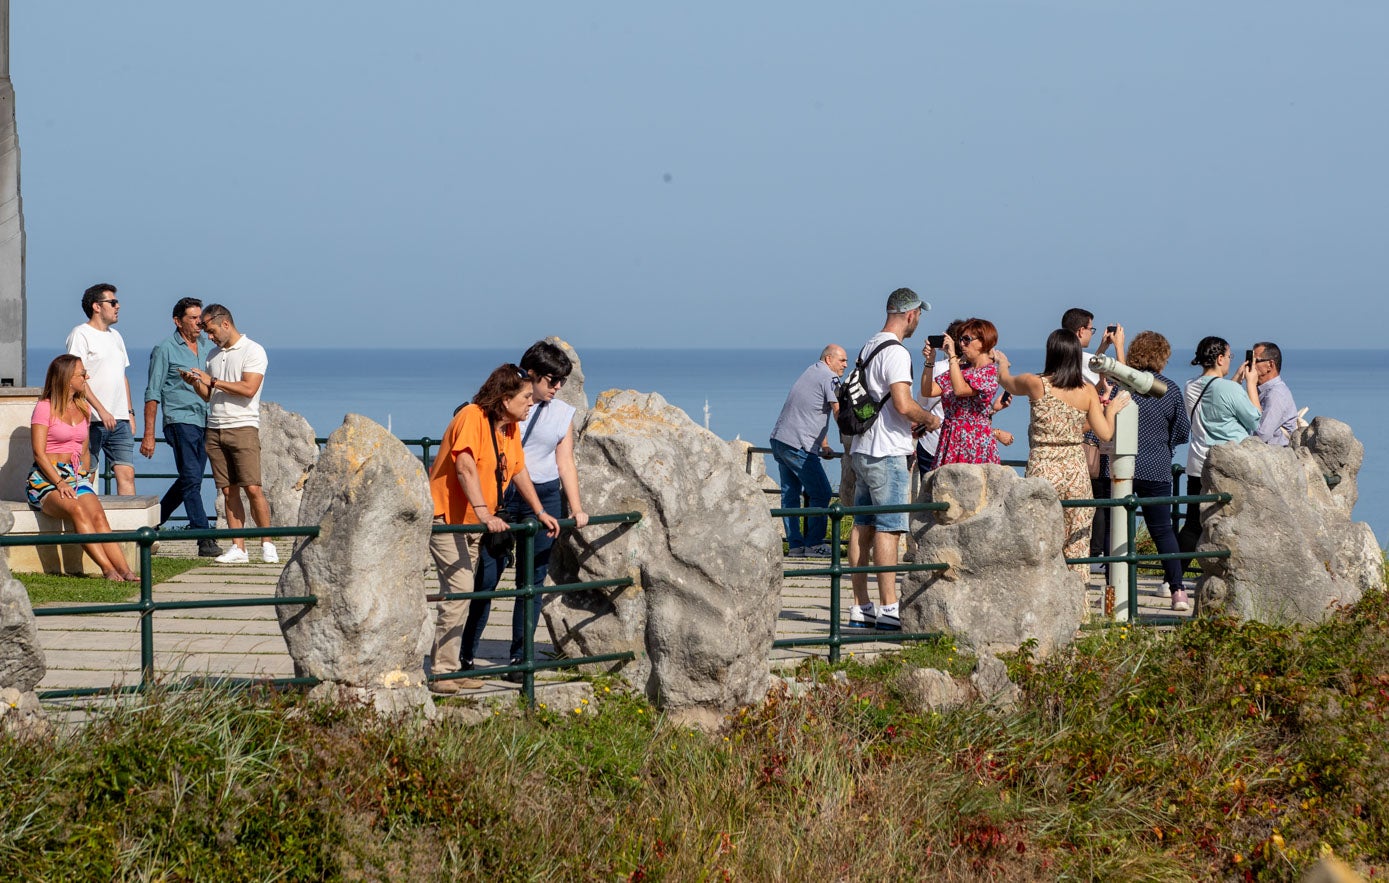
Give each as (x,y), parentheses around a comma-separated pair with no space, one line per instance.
(879,458)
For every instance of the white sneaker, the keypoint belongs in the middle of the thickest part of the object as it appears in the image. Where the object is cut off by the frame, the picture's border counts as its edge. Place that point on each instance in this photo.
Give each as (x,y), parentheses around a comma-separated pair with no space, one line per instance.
(234,555)
(268,553)
(1164,590)
(888,620)
(865,617)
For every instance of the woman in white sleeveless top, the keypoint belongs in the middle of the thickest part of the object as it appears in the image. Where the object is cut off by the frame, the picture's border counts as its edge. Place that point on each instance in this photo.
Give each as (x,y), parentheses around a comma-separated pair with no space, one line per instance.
(548,438)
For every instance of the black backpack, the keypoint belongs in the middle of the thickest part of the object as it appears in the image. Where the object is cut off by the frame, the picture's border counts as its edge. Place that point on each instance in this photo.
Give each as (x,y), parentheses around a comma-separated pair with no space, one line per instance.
(857,408)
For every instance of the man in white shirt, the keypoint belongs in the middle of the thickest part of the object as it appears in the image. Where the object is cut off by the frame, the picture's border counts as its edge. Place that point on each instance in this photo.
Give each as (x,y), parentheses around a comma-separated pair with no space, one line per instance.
(102,351)
(879,458)
(231,386)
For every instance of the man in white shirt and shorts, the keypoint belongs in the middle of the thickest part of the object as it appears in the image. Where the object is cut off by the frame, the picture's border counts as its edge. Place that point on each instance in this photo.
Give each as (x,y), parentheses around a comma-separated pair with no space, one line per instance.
(879,459)
(231,385)
(102,351)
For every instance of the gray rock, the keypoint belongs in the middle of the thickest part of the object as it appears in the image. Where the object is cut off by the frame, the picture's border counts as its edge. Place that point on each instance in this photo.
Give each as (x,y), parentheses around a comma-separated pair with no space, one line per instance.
(930,689)
(793,687)
(287,457)
(1337,452)
(1007,580)
(22,663)
(6,525)
(572,392)
(21,715)
(705,560)
(367,636)
(1294,552)
(992,685)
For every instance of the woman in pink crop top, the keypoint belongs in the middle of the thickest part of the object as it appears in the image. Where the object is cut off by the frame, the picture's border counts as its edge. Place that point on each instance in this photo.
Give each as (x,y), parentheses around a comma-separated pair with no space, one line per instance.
(60,483)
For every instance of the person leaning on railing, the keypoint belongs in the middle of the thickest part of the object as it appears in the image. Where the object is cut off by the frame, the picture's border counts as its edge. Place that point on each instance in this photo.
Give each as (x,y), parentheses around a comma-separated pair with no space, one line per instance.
(60,484)
(479,455)
(547,436)
(1062,403)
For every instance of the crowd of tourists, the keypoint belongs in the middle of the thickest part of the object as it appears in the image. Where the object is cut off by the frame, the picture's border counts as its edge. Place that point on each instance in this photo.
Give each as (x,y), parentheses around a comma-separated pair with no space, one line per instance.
(891,422)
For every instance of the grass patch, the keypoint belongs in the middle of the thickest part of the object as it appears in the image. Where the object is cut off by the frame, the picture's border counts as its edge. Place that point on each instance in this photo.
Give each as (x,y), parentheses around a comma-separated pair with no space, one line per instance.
(1218,751)
(51,588)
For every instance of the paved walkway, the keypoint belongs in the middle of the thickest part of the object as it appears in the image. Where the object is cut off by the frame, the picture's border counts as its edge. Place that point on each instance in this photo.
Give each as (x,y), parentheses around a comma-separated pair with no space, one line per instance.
(99,651)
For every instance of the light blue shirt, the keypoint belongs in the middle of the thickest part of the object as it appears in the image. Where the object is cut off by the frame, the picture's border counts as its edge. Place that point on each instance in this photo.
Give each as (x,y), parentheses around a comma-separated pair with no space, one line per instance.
(1280,412)
(180,403)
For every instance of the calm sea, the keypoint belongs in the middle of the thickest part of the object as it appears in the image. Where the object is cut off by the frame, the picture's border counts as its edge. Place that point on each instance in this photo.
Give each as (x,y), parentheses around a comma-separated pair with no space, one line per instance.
(415,392)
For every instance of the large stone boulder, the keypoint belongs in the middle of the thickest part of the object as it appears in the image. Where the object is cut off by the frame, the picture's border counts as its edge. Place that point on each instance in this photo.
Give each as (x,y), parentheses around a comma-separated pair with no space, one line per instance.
(22,663)
(367,636)
(288,453)
(1338,453)
(1007,581)
(1294,552)
(705,560)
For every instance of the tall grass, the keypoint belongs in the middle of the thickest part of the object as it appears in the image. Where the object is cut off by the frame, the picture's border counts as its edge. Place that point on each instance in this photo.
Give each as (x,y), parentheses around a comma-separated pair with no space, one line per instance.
(1219,751)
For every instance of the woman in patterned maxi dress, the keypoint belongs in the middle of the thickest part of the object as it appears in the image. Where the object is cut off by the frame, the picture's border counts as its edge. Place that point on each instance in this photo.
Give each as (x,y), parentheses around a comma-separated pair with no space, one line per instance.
(1062,402)
(966,434)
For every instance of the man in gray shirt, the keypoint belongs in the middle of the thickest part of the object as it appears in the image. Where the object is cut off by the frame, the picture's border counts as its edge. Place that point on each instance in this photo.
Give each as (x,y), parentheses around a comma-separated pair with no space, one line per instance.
(1279,412)
(798,442)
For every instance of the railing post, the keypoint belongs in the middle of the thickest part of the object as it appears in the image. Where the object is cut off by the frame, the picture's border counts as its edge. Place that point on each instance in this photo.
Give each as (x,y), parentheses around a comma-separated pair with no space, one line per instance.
(836,567)
(525,579)
(107,474)
(425,444)
(147,537)
(1131,512)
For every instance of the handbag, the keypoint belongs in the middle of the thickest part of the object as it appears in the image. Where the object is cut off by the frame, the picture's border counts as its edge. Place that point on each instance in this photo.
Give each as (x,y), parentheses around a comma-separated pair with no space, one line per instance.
(1092,459)
(498,545)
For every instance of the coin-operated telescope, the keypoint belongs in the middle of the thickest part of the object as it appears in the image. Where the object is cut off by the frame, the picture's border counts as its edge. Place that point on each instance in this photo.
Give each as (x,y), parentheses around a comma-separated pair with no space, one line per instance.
(1123,576)
(1138,382)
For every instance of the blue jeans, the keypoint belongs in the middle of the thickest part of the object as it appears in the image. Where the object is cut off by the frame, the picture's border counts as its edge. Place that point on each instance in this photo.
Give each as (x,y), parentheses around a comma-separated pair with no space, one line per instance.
(802,470)
(117,444)
(882,481)
(190,459)
(485,578)
(1158,517)
(550,499)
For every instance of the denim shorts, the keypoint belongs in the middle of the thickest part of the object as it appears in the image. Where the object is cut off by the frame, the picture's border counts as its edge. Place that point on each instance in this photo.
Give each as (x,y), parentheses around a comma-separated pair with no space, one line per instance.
(117,445)
(881,481)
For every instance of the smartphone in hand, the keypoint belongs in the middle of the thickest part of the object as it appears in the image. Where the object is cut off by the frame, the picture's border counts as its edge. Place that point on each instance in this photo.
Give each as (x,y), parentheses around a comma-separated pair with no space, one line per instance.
(1111,329)
(1004,399)
(1249,358)
(937,341)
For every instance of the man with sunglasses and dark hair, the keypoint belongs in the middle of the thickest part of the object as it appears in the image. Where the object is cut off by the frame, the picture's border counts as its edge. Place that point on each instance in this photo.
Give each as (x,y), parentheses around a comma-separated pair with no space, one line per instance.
(547,436)
(1278,411)
(102,350)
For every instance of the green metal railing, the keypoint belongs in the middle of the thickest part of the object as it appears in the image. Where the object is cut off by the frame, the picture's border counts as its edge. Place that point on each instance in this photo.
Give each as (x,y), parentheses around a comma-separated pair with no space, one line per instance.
(528,595)
(527,591)
(1131,504)
(836,639)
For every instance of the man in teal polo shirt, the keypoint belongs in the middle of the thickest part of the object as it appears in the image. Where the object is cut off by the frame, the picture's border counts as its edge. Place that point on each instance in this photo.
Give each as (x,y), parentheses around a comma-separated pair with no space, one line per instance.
(185,416)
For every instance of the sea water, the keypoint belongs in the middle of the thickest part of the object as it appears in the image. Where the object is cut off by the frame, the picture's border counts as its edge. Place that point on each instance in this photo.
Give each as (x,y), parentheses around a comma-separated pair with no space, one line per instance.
(416,391)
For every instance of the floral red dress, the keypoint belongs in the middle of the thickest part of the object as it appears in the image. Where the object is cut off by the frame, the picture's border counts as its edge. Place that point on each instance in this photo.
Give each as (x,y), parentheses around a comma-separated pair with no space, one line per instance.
(967,433)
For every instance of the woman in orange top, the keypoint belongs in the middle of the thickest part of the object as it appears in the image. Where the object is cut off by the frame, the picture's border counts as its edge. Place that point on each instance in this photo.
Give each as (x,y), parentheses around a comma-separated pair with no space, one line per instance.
(480,450)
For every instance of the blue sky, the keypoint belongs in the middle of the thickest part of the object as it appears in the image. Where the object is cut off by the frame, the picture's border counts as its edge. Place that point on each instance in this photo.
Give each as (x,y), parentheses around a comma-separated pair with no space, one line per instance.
(448,174)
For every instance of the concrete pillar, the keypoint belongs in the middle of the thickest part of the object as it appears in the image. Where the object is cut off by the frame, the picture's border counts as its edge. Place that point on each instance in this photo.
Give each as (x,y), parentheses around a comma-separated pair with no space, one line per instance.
(12,313)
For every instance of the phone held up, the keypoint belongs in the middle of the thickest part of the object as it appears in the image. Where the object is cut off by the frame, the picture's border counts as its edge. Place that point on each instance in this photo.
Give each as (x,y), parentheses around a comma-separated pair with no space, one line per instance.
(1004,399)
(937,341)
(1249,358)
(1110,329)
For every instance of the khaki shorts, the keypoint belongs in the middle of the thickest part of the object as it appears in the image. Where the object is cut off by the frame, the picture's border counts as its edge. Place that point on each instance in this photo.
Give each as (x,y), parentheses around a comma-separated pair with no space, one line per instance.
(234,455)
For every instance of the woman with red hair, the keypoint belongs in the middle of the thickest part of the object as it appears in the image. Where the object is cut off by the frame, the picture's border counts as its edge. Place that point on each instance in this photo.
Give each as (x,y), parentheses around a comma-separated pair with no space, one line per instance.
(966,435)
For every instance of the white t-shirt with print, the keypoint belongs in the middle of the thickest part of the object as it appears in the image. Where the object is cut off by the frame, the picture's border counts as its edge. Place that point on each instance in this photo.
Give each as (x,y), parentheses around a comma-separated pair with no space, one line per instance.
(891,434)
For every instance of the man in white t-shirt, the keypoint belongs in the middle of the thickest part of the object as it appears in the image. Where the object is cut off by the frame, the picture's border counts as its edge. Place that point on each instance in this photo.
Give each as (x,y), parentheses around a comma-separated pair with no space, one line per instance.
(102,351)
(879,458)
(231,386)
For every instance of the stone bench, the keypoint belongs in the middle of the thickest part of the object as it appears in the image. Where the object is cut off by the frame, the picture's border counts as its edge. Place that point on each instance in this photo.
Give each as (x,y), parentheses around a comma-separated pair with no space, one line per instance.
(124,513)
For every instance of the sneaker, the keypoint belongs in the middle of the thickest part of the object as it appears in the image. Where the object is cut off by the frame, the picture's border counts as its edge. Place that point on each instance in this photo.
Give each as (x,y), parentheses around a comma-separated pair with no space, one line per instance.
(514,677)
(208,548)
(1179,601)
(821,551)
(888,620)
(268,553)
(454,685)
(1164,590)
(234,555)
(796,552)
(864,617)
